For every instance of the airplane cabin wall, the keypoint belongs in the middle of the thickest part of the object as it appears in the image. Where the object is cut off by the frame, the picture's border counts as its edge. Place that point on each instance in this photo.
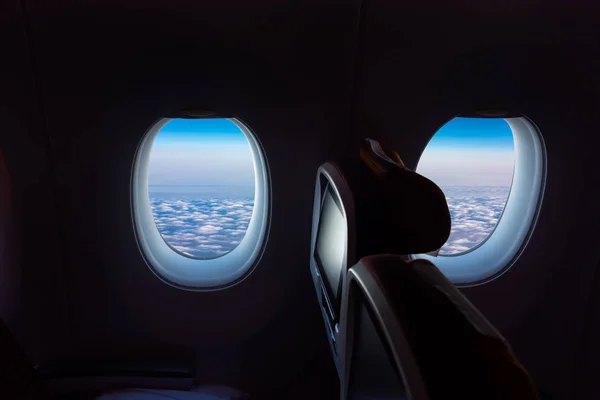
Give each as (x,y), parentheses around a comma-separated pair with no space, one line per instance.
(585,377)
(31,291)
(424,65)
(107,71)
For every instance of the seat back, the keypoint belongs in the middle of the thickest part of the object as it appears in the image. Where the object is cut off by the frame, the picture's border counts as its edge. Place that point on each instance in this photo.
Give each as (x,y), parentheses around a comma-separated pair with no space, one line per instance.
(377,363)
(362,207)
(333,245)
(439,343)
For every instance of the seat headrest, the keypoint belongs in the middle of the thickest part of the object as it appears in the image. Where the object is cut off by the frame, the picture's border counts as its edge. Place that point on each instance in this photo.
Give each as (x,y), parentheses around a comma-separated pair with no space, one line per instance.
(397,210)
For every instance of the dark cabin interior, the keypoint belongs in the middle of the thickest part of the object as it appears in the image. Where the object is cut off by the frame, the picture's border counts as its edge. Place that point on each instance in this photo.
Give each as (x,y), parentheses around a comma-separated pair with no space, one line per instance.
(82,81)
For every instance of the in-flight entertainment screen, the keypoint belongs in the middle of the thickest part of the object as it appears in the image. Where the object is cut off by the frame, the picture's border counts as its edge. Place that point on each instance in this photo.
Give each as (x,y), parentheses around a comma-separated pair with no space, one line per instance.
(331,244)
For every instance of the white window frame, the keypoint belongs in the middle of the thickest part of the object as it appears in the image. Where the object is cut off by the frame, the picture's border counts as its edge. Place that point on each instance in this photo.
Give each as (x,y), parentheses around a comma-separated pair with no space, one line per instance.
(499,251)
(189,273)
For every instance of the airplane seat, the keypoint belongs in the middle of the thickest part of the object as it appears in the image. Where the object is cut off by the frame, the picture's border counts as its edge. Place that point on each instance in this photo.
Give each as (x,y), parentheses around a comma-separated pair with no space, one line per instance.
(399,211)
(437,344)
(367,206)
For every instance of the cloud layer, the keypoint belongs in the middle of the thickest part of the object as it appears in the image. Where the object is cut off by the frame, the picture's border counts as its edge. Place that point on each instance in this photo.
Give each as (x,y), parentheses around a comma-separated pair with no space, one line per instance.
(212,226)
(202,228)
(475,211)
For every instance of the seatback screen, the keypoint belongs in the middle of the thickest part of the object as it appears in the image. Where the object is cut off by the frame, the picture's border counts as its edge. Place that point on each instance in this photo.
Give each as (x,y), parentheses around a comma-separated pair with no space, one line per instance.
(331,244)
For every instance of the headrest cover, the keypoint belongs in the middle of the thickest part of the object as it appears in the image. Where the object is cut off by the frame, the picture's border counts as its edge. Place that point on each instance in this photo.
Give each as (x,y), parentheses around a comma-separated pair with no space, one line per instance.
(398,211)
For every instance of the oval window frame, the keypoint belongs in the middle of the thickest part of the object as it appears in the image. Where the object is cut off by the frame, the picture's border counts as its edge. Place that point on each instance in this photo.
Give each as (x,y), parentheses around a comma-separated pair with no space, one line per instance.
(497,253)
(196,274)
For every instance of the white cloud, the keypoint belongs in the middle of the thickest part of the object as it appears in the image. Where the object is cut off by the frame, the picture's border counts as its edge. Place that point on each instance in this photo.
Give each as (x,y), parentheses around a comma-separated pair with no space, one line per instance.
(475,211)
(200,227)
(209,228)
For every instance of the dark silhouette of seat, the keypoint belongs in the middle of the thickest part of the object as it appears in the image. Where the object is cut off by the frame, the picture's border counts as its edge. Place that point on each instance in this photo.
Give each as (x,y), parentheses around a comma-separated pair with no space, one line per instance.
(369,205)
(438,344)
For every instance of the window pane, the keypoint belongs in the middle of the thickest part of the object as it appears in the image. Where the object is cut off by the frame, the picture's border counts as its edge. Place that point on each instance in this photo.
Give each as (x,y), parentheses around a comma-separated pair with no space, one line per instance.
(201,186)
(472,160)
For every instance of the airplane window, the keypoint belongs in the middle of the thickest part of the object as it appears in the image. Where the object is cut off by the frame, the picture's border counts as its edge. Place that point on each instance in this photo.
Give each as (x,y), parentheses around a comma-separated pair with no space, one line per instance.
(201,185)
(200,201)
(472,161)
(493,173)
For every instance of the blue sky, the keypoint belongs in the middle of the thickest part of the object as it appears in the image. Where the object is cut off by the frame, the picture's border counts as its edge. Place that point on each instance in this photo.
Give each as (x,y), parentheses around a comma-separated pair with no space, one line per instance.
(201,152)
(465,151)
(220,130)
(470,152)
